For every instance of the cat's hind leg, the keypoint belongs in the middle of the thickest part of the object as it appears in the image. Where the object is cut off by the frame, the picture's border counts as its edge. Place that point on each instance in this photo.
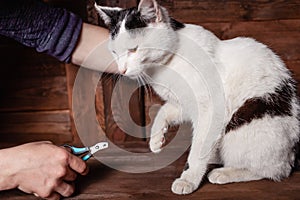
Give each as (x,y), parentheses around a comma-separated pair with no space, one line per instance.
(167,114)
(225,175)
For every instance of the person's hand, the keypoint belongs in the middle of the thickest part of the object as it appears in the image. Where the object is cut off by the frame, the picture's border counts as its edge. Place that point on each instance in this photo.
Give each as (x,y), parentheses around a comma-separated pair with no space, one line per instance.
(40,168)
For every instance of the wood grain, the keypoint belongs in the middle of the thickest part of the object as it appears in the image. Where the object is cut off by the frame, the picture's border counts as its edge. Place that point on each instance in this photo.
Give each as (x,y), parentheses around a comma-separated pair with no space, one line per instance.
(72,71)
(279,35)
(194,11)
(26,62)
(294,66)
(114,110)
(117,3)
(30,80)
(106,183)
(34,94)
(21,127)
(152,105)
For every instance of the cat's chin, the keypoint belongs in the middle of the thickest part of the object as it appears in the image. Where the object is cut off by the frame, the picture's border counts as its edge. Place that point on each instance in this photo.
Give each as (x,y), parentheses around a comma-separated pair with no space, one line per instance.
(132,76)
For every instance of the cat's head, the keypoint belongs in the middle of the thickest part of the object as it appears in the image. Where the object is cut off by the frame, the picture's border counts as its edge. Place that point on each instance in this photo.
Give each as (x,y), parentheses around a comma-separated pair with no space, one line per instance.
(140,37)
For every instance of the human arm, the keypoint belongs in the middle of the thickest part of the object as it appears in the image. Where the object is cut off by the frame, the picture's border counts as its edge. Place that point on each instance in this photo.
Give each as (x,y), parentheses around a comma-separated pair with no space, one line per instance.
(40,168)
(91,50)
(57,32)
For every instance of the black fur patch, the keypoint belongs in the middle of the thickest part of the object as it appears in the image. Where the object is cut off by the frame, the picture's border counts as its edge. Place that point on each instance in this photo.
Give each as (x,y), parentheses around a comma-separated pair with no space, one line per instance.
(275,104)
(133,20)
(116,18)
(186,166)
(176,25)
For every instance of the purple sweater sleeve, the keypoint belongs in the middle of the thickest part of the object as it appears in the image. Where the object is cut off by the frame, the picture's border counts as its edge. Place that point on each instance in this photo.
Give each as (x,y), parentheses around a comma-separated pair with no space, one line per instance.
(54,31)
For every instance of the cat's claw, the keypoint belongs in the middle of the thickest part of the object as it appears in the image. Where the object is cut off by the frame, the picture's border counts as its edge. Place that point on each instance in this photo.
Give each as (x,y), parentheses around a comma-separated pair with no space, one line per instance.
(157,140)
(181,186)
(165,130)
(156,143)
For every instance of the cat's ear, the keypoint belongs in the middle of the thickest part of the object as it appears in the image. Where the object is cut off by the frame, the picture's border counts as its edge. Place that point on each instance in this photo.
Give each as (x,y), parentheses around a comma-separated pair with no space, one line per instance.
(150,10)
(106,13)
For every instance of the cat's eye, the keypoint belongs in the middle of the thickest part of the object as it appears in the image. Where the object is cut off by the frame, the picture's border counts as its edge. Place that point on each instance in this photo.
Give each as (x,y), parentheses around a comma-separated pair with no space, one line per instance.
(133,50)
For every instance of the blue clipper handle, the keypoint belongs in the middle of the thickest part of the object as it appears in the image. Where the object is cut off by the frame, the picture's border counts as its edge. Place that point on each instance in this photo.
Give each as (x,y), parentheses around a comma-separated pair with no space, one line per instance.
(77,150)
(86,157)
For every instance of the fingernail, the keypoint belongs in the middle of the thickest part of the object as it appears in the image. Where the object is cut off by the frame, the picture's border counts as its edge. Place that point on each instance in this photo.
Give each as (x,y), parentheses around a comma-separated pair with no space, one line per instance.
(35,194)
(165,130)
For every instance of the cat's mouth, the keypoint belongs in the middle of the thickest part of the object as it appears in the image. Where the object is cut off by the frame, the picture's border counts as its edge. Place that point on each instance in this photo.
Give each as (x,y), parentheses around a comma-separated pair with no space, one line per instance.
(132,76)
(132,73)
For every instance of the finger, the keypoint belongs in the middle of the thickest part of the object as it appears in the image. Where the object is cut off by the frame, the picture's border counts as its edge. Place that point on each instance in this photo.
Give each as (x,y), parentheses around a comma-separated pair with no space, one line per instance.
(67,149)
(77,164)
(86,171)
(70,175)
(25,190)
(43,142)
(65,189)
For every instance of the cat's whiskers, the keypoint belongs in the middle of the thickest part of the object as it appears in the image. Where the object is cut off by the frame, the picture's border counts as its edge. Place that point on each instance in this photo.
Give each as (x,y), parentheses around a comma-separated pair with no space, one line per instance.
(143,83)
(118,77)
(106,77)
(140,84)
(148,80)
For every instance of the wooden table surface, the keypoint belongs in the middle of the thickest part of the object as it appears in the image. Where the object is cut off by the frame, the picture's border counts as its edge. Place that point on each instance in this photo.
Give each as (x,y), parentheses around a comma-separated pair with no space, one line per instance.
(105,183)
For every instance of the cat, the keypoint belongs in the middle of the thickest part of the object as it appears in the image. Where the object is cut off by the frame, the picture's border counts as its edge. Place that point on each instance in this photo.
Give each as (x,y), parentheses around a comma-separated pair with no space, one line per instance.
(260,127)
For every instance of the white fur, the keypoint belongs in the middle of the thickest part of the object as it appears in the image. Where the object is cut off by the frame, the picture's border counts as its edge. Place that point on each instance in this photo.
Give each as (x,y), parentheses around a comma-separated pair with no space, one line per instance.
(247,69)
(104,16)
(261,149)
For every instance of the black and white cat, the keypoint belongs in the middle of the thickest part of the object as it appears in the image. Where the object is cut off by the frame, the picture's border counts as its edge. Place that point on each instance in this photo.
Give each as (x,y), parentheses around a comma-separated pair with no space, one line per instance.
(260,128)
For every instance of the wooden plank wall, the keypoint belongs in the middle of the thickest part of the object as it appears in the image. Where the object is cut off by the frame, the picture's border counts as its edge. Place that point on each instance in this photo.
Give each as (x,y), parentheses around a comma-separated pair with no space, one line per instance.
(34,97)
(34,100)
(36,90)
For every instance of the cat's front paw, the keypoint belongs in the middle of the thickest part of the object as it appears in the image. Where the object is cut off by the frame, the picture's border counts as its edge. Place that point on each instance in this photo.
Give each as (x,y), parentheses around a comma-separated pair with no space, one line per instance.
(157,140)
(156,143)
(218,176)
(183,186)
